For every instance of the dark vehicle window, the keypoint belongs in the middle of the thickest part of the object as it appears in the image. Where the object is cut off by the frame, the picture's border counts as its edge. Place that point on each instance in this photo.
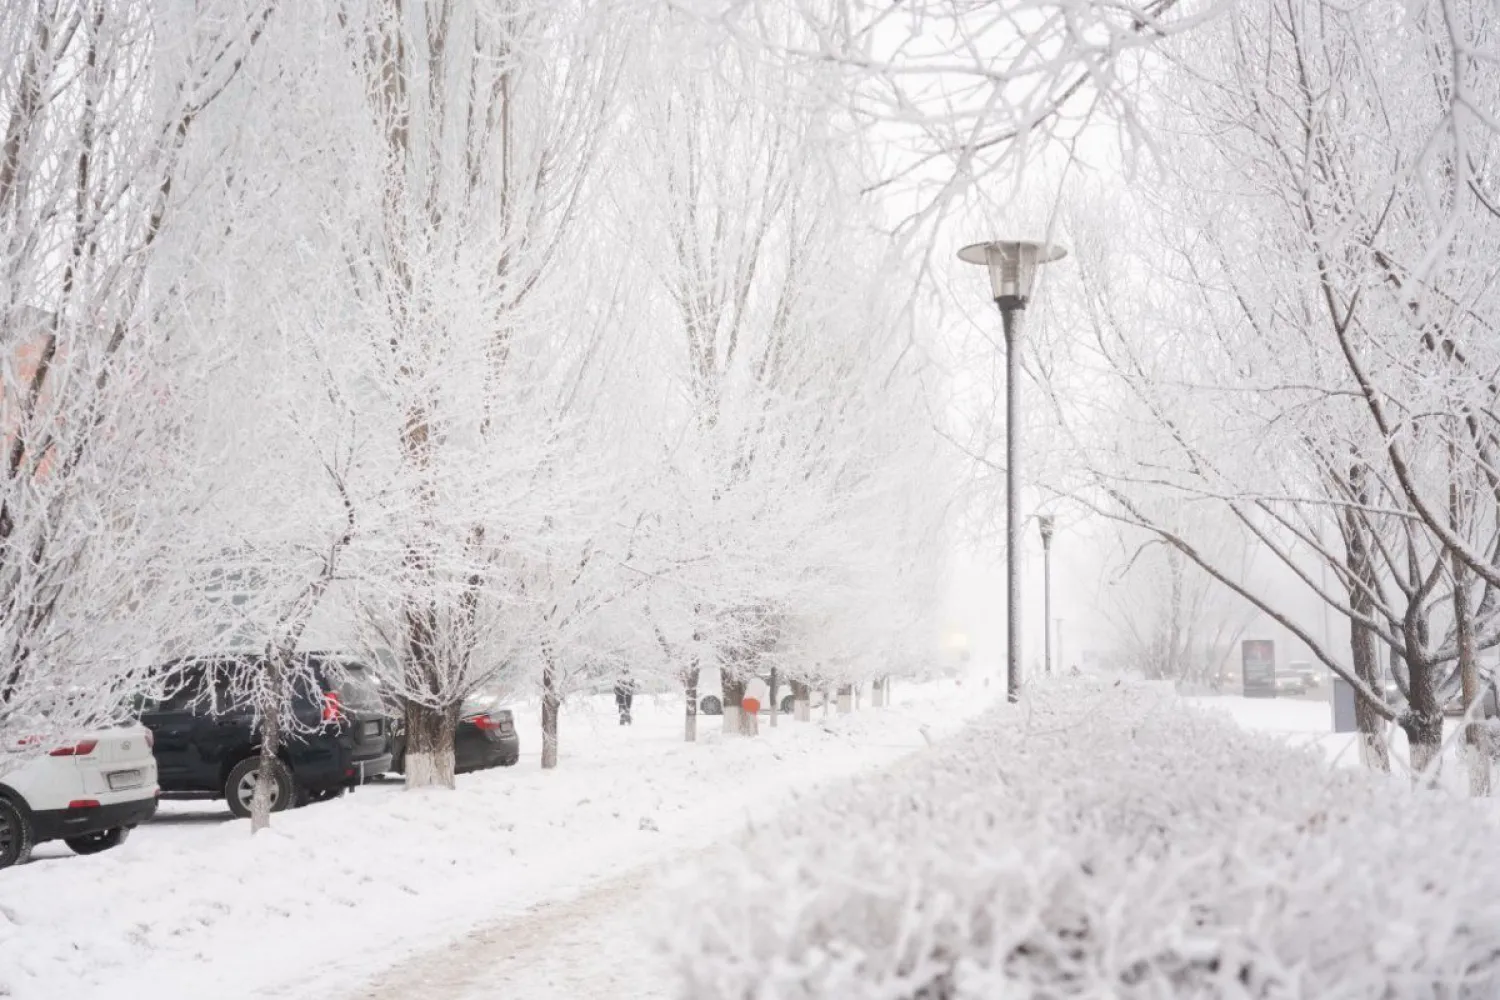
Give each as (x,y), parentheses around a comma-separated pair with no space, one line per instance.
(232,684)
(182,692)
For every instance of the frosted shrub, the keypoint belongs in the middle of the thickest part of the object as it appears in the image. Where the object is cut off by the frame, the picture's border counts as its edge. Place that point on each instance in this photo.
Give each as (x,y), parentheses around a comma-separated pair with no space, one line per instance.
(1105,841)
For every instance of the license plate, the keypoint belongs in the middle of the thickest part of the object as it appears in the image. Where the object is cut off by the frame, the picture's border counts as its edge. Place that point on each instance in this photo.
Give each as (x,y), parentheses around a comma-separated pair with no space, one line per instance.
(124,779)
(372,728)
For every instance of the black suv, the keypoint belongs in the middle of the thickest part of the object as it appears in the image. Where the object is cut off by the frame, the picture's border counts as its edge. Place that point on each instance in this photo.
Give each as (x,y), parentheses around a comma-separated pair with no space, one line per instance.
(207,748)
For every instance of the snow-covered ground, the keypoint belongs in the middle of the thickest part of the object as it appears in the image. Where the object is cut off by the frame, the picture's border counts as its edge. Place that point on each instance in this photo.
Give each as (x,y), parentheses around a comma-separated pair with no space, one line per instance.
(1309,723)
(347,898)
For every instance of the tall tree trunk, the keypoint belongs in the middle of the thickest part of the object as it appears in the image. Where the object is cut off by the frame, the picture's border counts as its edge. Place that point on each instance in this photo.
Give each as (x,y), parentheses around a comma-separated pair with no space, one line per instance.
(1423,720)
(1475,752)
(690,709)
(429,745)
(550,706)
(1374,751)
(1174,671)
(430,725)
(775,690)
(270,745)
(1475,755)
(733,690)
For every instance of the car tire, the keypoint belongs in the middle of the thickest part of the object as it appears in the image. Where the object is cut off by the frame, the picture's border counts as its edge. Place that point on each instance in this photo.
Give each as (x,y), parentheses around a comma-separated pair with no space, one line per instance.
(788,705)
(240,785)
(16,837)
(96,842)
(711,706)
(510,761)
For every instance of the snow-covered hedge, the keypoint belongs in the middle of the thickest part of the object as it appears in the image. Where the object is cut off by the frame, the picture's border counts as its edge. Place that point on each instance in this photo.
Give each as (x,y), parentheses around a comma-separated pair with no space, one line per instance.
(1104,840)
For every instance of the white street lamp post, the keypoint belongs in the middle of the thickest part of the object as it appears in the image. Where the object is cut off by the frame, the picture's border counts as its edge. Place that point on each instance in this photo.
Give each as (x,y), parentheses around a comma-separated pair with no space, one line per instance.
(1012,267)
(1045,522)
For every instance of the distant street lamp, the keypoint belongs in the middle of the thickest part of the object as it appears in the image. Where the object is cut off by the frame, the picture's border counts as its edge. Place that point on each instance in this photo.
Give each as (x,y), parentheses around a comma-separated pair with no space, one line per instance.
(1012,265)
(1045,522)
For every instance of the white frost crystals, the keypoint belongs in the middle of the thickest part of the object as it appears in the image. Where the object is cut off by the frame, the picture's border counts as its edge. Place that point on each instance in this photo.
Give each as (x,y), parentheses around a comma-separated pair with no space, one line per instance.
(1100,841)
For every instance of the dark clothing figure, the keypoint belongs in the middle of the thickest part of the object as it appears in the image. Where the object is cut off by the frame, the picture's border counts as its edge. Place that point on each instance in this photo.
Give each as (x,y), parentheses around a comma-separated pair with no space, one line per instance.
(624,696)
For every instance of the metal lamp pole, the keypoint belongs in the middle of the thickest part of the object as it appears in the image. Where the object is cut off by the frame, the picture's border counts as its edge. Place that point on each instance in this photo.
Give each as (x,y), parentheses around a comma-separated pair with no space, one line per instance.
(1045,522)
(1012,267)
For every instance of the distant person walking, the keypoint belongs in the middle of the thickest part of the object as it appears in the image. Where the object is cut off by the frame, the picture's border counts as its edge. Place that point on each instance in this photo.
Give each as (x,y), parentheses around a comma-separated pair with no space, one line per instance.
(624,696)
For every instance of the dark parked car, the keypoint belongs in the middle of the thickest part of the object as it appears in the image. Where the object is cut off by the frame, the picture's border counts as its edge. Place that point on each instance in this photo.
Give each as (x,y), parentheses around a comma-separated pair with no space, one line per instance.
(207,747)
(486,737)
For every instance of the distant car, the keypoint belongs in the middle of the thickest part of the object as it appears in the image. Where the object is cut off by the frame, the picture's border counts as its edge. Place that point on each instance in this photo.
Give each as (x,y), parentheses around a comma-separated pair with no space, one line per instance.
(486,737)
(89,792)
(710,693)
(1311,676)
(207,746)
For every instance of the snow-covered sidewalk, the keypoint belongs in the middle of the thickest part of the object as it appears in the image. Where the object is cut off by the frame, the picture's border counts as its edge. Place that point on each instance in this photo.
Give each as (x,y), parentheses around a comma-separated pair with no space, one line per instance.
(336,894)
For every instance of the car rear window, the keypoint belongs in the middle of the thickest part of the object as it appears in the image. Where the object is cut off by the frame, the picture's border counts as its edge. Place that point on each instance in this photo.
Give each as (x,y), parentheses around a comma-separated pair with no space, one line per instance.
(357,687)
(481,701)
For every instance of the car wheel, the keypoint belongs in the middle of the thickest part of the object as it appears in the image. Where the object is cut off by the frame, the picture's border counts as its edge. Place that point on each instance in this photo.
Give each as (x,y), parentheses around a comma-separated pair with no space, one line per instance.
(15,835)
(96,842)
(239,788)
(711,706)
(510,761)
(788,704)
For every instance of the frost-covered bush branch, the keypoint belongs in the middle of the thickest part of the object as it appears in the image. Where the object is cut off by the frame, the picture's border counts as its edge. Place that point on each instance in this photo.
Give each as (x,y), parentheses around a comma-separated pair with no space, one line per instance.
(1103,841)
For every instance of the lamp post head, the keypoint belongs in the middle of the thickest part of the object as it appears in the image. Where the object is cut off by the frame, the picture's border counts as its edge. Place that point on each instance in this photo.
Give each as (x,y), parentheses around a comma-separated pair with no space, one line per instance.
(1044,521)
(1012,265)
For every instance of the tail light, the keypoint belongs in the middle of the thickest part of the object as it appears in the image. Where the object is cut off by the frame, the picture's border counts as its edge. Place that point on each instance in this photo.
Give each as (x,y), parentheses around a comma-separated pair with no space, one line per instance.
(486,722)
(84,804)
(333,708)
(80,749)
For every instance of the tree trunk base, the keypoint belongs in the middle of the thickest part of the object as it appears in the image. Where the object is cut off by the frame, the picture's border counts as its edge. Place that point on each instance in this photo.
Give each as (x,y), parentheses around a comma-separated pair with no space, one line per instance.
(550,708)
(733,690)
(690,709)
(1477,756)
(430,770)
(429,745)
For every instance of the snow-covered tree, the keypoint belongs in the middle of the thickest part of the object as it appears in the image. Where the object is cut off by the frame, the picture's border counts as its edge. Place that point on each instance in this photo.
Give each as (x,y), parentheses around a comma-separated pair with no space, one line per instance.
(98,102)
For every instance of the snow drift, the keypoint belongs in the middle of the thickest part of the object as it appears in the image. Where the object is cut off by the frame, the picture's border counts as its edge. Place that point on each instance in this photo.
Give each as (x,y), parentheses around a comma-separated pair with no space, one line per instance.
(1105,840)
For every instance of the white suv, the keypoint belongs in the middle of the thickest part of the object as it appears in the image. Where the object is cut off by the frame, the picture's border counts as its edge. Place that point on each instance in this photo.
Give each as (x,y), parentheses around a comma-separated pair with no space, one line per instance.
(90,792)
